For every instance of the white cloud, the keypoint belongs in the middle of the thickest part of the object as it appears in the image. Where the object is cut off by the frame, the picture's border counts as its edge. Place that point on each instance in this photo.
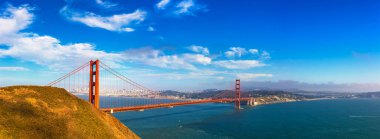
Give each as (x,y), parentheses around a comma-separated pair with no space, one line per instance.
(157,58)
(162,4)
(50,52)
(238,64)
(243,64)
(250,76)
(128,29)
(184,6)
(14,19)
(43,50)
(13,69)
(197,58)
(105,4)
(265,55)
(188,7)
(235,51)
(117,22)
(253,51)
(239,52)
(199,49)
(150,28)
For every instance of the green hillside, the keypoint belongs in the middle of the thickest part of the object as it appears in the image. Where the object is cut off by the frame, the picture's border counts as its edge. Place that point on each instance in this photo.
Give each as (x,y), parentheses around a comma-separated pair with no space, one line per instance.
(49,112)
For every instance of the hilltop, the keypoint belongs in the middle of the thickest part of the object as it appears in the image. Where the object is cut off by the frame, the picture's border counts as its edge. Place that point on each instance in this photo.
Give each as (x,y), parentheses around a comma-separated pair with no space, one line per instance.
(49,112)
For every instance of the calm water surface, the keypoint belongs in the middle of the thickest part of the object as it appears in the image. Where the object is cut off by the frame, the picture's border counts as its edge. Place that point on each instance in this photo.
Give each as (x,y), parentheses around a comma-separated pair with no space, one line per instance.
(341,118)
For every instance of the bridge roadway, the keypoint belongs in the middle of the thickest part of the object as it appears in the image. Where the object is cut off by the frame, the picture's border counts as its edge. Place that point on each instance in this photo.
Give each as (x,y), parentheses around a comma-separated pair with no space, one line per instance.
(172,104)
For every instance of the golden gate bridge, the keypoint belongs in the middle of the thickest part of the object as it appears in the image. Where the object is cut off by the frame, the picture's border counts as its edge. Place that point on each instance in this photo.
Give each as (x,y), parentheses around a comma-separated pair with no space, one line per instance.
(110,91)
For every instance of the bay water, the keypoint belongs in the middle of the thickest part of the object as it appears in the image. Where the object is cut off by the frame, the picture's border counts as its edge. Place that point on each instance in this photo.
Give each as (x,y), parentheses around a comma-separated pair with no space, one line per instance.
(334,118)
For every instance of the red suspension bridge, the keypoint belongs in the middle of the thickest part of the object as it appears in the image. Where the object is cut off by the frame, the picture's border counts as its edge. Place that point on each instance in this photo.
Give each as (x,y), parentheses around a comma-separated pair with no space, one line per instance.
(110,91)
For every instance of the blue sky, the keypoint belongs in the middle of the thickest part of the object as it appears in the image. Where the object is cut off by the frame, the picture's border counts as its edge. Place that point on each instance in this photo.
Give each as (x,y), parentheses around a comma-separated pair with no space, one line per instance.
(197,44)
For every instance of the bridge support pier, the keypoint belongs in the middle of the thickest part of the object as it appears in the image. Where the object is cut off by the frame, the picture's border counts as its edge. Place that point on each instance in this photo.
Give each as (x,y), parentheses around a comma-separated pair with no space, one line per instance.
(251,102)
(93,89)
(237,94)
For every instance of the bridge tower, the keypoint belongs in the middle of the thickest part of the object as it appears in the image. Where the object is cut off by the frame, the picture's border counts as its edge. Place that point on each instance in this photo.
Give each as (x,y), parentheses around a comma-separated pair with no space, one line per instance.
(237,94)
(93,89)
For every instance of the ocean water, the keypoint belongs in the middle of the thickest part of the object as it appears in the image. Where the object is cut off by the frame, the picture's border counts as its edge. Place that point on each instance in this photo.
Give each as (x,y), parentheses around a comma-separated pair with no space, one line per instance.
(337,119)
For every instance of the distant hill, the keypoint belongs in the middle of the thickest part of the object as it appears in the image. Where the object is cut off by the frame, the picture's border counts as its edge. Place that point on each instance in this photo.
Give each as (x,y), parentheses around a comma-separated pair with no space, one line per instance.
(49,112)
(369,95)
(231,94)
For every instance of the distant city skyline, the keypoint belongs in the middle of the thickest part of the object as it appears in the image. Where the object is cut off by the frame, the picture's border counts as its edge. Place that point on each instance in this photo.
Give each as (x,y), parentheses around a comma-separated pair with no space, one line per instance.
(324,45)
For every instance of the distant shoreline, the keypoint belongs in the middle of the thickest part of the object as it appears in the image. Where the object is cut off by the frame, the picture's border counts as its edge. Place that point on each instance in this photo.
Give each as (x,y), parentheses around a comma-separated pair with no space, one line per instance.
(287,100)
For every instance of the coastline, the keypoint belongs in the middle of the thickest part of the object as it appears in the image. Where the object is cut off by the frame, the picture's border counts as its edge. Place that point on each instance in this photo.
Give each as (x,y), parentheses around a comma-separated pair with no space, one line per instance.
(276,99)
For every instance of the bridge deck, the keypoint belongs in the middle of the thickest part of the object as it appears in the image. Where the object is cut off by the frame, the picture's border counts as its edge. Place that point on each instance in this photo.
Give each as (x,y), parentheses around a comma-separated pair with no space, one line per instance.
(172,104)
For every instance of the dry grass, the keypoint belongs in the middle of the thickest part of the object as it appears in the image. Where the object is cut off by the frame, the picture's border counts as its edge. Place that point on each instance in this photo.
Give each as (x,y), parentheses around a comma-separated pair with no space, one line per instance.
(49,112)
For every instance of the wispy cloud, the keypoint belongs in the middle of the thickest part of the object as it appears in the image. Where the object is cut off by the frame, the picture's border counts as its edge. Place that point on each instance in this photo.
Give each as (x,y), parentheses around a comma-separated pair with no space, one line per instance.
(253,51)
(250,76)
(197,58)
(117,22)
(162,4)
(13,69)
(265,55)
(105,4)
(184,6)
(235,51)
(188,7)
(151,29)
(238,64)
(158,58)
(189,61)
(199,49)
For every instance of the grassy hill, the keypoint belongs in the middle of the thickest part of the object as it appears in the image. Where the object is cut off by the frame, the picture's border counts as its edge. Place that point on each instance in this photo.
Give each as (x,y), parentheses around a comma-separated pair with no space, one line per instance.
(49,112)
